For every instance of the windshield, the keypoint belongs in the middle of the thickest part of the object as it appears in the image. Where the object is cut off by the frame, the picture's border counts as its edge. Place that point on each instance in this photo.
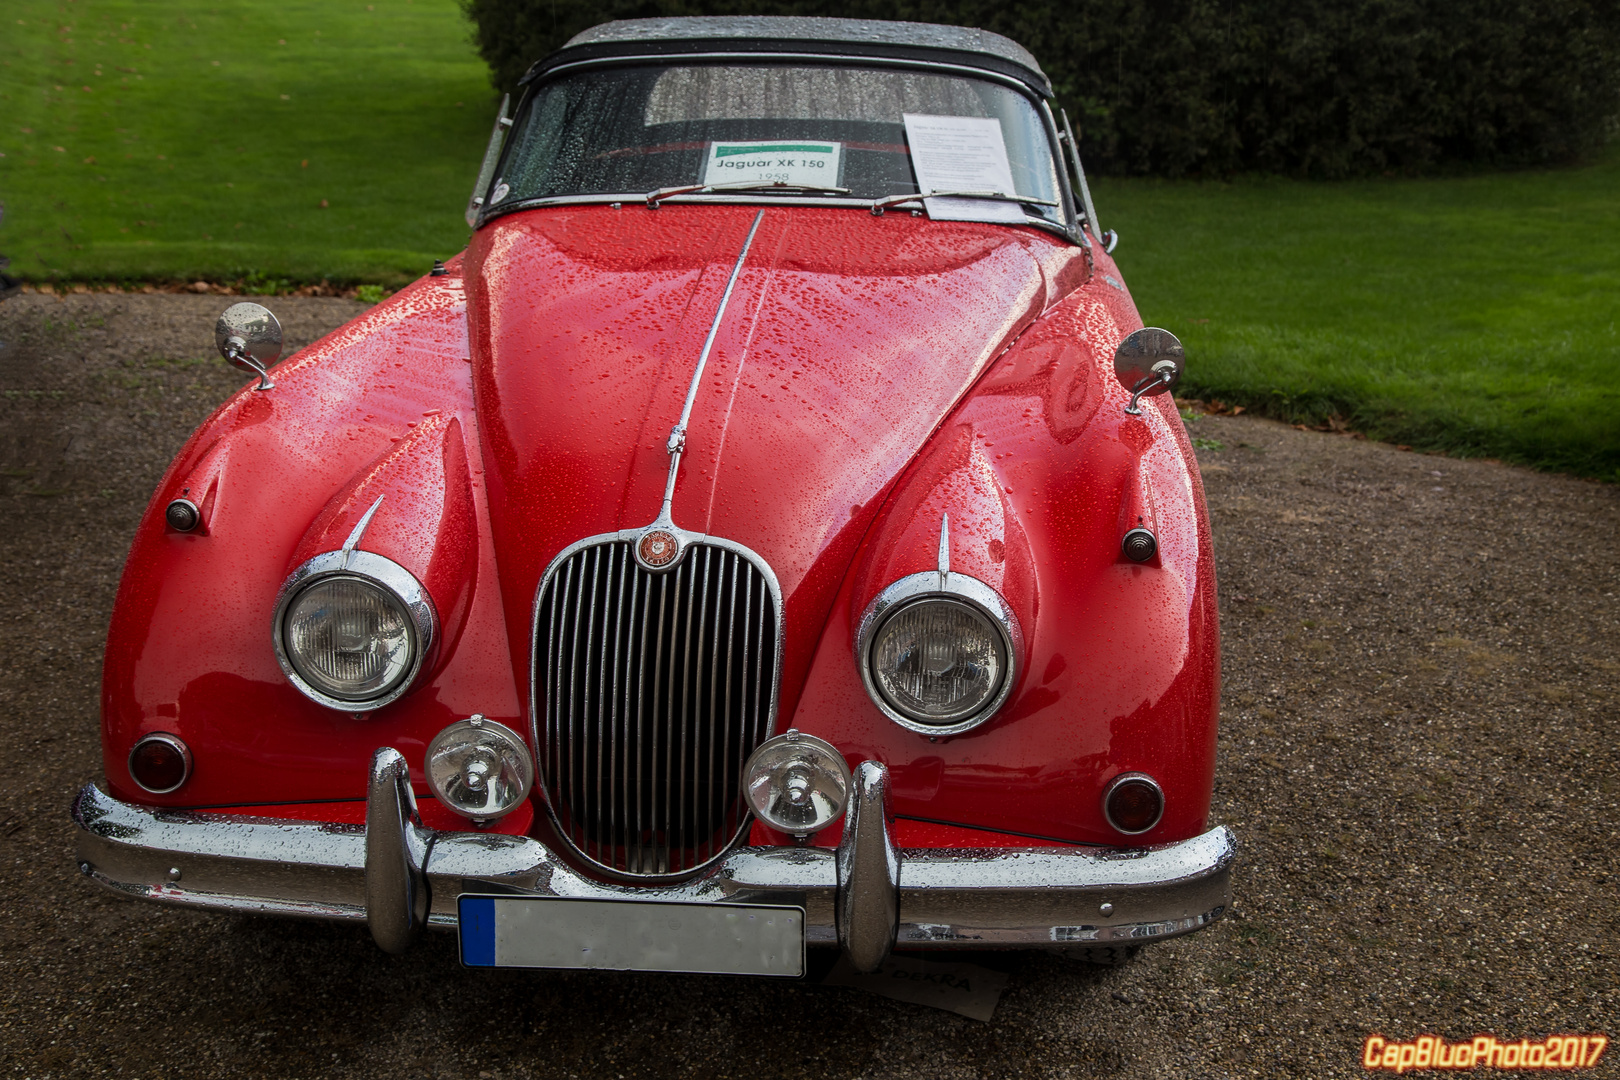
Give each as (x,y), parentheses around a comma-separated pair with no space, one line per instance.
(632,130)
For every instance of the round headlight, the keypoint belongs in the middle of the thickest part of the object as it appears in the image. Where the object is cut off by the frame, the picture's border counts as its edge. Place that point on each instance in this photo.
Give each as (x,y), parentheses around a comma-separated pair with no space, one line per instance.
(353,629)
(939,651)
(349,637)
(938,661)
(796,783)
(479,769)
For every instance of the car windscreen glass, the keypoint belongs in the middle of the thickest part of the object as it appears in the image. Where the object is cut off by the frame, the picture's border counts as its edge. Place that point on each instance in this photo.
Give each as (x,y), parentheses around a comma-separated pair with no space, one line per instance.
(634,129)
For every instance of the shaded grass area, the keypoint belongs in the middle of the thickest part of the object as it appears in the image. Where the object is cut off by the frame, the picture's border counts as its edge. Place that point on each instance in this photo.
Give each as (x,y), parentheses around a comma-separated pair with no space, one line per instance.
(1474,315)
(279,142)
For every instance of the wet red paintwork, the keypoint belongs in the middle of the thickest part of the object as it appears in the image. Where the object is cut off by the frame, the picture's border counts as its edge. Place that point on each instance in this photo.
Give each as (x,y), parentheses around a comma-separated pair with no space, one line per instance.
(1040,471)
(871,374)
(840,354)
(189,647)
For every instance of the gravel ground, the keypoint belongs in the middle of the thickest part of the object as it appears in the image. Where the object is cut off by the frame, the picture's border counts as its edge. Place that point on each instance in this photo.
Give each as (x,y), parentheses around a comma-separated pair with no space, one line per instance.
(1418,753)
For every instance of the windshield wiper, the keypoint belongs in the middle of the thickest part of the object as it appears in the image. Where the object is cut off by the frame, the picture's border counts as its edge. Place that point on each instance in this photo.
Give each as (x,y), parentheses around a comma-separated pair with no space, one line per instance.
(655,197)
(880,205)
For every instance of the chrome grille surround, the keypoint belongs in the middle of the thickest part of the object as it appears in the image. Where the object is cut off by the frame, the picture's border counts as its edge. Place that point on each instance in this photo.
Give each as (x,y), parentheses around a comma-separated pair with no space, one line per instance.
(649,689)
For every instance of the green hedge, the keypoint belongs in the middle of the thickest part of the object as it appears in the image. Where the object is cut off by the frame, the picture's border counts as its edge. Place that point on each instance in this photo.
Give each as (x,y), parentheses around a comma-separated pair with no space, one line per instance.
(1322,88)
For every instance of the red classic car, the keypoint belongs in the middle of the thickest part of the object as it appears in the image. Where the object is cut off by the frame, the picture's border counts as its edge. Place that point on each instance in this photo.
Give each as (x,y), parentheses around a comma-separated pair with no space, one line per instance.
(771,532)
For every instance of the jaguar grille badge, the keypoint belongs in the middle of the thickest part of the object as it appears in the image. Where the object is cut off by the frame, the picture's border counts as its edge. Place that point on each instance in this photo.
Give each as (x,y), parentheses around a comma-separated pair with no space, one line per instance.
(658,548)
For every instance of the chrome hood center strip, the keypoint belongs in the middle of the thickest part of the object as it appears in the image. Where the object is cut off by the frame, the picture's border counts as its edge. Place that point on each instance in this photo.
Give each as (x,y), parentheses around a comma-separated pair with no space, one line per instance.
(677,435)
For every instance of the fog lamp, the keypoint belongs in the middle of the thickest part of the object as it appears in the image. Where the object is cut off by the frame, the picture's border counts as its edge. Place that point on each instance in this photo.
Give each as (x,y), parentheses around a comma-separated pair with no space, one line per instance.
(479,768)
(796,783)
(1133,803)
(160,763)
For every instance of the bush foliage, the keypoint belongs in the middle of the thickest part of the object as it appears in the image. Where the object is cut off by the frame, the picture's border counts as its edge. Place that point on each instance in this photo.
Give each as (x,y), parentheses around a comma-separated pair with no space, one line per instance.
(1320,88)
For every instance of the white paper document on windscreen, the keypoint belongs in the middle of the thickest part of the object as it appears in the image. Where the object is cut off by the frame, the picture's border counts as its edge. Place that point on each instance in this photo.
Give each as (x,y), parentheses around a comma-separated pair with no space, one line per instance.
(962,153)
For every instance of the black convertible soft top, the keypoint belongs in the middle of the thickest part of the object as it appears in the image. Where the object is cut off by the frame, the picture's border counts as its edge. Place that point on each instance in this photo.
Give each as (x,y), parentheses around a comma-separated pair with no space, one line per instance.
(783,34)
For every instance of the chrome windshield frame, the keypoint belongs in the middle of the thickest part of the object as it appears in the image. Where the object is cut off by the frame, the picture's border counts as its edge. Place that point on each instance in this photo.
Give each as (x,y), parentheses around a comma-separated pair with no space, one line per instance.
(1068,229)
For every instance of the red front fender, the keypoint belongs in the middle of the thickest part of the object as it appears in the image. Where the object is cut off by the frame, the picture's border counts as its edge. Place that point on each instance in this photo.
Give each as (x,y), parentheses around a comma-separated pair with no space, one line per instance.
(1042,473)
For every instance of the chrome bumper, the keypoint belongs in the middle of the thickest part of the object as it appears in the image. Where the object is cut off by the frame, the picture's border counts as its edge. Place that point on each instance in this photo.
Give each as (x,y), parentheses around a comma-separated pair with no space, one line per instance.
(865,896)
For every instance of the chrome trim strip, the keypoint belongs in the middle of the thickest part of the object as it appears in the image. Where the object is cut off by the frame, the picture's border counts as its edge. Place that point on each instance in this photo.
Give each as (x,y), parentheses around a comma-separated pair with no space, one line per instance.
(714,330)
(1071,203)
(734,199)
(380,571)
(492,157)
(1007,898)
(1080,175)
(967,70)
(954,586)
(677,434)
(359,531)
(742,199)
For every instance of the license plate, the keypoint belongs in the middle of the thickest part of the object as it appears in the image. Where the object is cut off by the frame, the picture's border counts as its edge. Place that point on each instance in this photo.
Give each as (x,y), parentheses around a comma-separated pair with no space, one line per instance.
(631,935)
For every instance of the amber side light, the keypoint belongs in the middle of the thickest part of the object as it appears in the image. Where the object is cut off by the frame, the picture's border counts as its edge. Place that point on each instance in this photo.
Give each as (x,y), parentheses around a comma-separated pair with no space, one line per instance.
(1133,803)
(160,763)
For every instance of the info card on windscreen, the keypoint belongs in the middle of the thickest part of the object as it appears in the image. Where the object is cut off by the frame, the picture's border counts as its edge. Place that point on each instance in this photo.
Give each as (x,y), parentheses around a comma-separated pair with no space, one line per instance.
(797,162)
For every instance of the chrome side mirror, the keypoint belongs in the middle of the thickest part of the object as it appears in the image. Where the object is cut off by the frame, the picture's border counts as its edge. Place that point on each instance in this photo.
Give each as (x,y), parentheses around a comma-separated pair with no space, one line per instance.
(250,338)
(1148,363)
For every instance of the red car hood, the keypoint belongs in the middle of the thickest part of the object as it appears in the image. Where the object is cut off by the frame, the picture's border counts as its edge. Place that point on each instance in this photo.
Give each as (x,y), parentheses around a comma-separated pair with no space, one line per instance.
(845,343)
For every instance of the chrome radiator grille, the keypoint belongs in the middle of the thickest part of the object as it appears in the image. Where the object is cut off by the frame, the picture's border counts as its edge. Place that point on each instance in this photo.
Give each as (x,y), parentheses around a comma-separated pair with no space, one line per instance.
(651,690)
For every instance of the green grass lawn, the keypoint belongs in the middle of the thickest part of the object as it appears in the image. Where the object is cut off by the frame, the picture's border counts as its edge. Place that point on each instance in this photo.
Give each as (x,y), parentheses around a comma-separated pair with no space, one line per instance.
(156,141)
(1475,315)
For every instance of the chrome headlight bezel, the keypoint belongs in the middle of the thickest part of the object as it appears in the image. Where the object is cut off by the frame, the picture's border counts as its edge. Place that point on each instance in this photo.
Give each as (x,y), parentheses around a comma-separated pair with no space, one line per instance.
(375,570)
(950,586)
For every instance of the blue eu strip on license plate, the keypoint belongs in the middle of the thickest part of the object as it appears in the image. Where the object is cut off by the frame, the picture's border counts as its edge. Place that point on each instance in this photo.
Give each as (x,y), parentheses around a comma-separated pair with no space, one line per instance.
(631,935)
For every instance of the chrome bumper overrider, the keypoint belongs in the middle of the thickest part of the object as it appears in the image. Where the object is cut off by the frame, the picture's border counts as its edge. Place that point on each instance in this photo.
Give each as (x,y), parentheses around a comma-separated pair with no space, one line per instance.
(866,896)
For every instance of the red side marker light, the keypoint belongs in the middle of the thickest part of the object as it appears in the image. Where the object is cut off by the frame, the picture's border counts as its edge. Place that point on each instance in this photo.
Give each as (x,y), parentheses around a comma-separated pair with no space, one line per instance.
(160,763)
(1133,803)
